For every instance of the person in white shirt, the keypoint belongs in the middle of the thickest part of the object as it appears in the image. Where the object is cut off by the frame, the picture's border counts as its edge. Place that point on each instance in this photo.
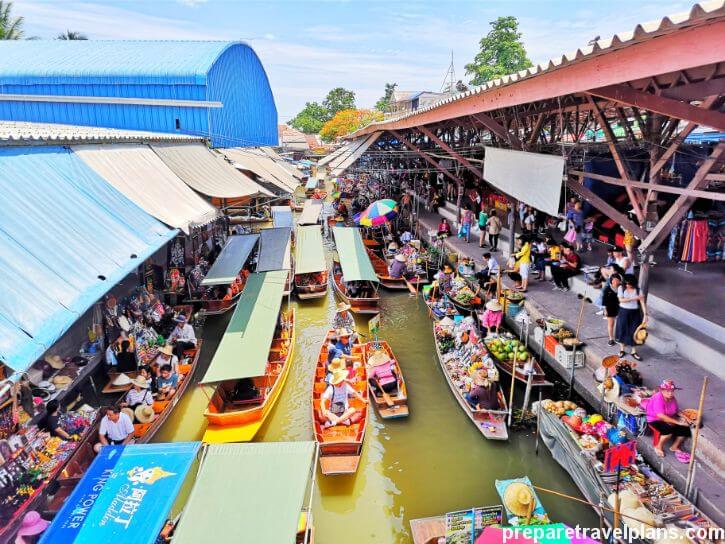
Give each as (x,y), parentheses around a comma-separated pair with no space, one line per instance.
(138,394)
(183,336)
(116,428)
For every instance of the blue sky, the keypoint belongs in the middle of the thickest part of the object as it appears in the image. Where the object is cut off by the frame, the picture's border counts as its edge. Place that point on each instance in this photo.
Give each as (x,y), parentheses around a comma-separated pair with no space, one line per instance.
(308,48)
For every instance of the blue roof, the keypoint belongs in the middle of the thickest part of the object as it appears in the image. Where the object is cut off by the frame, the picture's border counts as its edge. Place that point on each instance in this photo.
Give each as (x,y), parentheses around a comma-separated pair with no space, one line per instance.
(26,61)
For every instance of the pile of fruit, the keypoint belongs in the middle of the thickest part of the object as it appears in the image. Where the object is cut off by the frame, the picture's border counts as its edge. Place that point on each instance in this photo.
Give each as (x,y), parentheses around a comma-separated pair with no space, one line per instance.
(558,408)
(506,350)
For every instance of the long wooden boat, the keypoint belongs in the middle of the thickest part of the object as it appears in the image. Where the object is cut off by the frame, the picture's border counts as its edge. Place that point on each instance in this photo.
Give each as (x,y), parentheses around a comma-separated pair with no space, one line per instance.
(239,421)
(381,270)
(359,305)
(490,423)
(522,374)
(398,406)
(307,288)
(435,311)
(341,445)
(214,306)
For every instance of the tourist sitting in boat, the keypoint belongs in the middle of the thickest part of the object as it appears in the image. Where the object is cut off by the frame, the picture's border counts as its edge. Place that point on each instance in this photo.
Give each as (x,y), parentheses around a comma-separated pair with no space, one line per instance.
(382,373)
(483,394)
(183,336)
(116,428)
(398,267)
(340,346)
(167,382)
(492,317)
(166,357)
(51,421)
(139,394)
(126,357)
(343,318)
(664,415)
(244,391)
(335,406)
(149,373)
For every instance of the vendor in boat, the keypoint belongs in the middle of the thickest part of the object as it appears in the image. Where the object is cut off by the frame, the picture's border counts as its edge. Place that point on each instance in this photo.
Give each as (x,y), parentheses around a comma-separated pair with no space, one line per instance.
(398,267)
(343,318)
(139,394)
(382,373)
(444,278)
(492,317)
(664,415)
(51,421)
(335,406)
(183,336)
(126,357)
(483,394)
(116,428)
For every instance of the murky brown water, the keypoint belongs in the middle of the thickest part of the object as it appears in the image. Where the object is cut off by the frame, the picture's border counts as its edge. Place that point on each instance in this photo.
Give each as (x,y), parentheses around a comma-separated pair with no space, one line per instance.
(430,463)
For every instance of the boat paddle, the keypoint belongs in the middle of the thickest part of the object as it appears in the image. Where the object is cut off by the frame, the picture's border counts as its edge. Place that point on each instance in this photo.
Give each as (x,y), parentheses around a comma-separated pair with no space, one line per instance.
(386,397)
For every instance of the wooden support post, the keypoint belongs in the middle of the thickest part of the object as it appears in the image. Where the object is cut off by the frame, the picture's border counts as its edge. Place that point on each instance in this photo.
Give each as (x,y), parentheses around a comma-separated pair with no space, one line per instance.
(696,435)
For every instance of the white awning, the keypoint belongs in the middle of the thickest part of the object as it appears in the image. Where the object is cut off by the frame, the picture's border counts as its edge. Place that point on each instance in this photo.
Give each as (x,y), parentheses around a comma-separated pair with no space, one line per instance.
(207,172)
(348,159)
(327,158)
(310,212)
(263,166)
(141,175)
(291,168)
(533,178)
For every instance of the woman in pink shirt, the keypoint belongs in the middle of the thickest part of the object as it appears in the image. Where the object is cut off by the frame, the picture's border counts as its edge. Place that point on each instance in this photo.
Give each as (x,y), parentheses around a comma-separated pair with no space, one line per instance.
(663,414)
(492,317)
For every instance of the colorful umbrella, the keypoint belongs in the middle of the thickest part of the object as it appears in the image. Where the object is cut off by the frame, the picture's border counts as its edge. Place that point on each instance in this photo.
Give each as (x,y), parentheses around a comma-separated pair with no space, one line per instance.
(379,212)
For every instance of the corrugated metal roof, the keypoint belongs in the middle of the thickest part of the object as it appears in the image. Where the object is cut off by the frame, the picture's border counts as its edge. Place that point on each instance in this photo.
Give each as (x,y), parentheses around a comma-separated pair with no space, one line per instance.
(701,12)
(23,132)
(141,61)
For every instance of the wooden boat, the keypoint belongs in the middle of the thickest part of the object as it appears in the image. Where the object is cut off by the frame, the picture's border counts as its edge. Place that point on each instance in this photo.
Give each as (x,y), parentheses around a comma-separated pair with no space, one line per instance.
(490,423)
(522,375)
(434,309)
(381,270)
(340,446)
(396,405)
(359,305)
(311,277)
(220,306)
(238,421)
(307,288)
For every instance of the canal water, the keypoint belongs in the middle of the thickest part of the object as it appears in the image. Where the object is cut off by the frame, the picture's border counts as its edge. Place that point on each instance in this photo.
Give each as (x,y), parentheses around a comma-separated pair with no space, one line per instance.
(433,462)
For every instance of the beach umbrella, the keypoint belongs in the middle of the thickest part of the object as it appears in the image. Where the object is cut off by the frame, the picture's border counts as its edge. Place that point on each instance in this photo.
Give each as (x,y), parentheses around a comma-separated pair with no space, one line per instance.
(379,212)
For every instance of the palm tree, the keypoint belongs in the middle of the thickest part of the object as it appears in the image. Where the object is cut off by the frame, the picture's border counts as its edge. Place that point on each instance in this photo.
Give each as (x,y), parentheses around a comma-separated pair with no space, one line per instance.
(71,35)
(11,28)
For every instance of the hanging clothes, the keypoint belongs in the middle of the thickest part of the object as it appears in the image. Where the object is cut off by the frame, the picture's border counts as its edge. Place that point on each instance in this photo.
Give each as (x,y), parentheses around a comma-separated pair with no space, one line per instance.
(694,245)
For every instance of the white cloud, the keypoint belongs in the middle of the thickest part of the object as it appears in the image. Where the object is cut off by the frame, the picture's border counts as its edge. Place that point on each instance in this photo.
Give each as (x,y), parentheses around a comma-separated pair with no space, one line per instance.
(191,3)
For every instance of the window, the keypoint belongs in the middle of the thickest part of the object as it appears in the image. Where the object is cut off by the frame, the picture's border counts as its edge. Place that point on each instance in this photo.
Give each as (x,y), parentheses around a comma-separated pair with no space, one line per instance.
(178,124)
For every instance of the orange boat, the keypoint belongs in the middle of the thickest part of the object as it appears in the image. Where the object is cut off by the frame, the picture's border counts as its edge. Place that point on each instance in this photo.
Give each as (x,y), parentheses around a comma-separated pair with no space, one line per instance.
(340,446)
(390,406)
(252,362)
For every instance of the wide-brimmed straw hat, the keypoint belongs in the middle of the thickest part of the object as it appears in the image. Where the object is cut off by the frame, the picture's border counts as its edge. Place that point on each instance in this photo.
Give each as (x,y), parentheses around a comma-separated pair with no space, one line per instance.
(342,307)
(141,382)
(338,377)
(378,358)
(640,334)
(128,412)
(481,377)
(519,498)
(400,258)
(494,305)
(144,413)
(340,333)
(61,382)
(336,364)
(121,380)
(167,350)
(55,361)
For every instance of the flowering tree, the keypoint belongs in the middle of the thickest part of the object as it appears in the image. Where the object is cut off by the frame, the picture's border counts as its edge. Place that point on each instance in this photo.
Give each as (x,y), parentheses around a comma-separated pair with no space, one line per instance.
(347,121)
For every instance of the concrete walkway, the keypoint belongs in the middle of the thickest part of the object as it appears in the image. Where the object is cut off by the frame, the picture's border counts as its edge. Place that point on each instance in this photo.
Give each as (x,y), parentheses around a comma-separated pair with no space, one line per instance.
(542,301)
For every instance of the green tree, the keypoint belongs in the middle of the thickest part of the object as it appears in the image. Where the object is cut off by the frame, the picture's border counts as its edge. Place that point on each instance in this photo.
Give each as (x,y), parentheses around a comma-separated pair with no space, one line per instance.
(71,35)
(11,28)
(502,52)
(311,118)
(384,103)
(338,99)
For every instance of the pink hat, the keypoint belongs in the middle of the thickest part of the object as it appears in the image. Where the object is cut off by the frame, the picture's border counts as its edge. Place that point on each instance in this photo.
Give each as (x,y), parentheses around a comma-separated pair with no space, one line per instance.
(32,524)
(668,385)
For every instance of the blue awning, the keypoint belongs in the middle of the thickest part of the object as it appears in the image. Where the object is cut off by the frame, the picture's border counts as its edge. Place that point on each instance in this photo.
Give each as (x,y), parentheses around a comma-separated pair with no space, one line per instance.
(311,184)
(125,495)
(282,216)
(66,238)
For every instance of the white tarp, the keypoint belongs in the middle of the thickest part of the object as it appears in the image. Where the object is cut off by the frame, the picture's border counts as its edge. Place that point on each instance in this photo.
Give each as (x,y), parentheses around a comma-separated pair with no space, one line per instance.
(207,172)
(291,168)
(263,166)
(533,178)
(141,175)
(331,156)
(348,161)
(347,151)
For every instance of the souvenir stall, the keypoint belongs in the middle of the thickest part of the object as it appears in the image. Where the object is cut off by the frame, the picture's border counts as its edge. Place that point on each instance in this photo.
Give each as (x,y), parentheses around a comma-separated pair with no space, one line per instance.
(698,239)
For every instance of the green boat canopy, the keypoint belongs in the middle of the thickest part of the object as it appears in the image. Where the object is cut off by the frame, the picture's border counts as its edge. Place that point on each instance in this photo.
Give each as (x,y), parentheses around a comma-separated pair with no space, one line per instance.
(309,251)
(231,260)
(356,265)
(248,493)
(244,349)
(310,212)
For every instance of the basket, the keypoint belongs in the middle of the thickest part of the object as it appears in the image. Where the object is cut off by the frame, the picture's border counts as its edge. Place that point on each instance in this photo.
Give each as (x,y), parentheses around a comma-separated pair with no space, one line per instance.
(513,308)
(566,357)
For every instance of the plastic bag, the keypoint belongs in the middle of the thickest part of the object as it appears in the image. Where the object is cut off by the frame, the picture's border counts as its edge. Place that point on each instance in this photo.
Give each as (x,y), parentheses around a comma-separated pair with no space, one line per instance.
(570,236)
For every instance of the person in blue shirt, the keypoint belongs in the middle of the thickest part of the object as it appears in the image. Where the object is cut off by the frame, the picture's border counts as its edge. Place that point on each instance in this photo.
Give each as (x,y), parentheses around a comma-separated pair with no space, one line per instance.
(167,382)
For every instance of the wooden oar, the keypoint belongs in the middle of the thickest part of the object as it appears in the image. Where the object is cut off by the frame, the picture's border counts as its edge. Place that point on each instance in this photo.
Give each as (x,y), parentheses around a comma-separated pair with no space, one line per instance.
(386,397)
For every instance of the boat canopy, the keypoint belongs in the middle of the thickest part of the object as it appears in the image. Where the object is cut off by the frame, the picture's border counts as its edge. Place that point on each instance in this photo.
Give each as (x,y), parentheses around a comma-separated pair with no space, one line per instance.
(309,251)
(346,159)
(274,249)
(231,260)
(255,491)
(244,348)
(311,184)
(310,212)
(125,495)
(66,238)
(263,166)
(207,172)
(142,176)
(282,216)
(354,259)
